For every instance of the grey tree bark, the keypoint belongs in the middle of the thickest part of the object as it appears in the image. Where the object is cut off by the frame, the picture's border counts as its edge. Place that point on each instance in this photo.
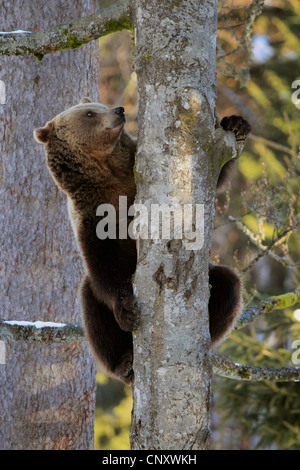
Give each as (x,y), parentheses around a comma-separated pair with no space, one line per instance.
(175,49)
(47,390)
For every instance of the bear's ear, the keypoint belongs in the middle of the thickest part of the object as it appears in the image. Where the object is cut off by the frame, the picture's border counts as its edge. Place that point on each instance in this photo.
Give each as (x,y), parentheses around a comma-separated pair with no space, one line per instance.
(84,100)
(41,134)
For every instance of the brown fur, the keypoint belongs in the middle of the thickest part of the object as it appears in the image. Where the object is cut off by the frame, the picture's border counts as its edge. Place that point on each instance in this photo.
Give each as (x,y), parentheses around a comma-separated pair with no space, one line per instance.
(90,157)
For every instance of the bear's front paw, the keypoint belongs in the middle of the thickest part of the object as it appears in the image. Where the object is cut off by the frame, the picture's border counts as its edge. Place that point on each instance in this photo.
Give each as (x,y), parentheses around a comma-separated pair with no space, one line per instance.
(236,124)
(126,312)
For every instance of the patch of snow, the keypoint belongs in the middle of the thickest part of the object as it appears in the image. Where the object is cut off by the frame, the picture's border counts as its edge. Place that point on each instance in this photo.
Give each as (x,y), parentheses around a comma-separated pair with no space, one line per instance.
(19,31)
(37,324)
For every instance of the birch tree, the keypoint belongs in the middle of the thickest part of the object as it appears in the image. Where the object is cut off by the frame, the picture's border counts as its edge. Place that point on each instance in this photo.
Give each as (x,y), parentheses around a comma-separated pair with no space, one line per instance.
(181,148)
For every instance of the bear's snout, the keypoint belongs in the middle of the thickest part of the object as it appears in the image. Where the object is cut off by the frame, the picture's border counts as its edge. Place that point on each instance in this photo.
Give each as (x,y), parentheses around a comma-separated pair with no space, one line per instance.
(119,111)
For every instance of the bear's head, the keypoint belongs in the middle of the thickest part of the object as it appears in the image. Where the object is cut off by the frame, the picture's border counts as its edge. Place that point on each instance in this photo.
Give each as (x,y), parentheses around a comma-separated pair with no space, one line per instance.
(88,127)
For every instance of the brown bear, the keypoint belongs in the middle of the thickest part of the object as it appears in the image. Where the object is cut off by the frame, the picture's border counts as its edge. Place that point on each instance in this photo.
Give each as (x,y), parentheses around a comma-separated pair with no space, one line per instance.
(91,157)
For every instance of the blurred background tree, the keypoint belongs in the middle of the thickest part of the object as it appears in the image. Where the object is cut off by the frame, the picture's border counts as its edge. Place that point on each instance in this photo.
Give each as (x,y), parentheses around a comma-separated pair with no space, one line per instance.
(257,219)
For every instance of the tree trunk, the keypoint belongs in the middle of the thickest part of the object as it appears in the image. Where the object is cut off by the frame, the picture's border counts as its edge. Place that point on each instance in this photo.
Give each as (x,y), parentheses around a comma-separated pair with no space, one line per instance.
(175,63)
(47,390)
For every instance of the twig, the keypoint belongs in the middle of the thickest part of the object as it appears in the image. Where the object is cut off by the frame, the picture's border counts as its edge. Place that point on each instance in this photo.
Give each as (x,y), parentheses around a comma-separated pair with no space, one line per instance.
(271,143)
(266,306)
(264,249)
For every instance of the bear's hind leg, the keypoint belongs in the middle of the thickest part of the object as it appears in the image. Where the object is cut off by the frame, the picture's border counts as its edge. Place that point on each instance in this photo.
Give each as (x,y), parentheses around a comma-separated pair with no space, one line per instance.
(111,346)
(225,301)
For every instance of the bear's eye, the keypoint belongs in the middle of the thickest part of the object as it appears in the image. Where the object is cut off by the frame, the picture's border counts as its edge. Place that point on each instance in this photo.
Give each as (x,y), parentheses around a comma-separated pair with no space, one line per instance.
(90,114)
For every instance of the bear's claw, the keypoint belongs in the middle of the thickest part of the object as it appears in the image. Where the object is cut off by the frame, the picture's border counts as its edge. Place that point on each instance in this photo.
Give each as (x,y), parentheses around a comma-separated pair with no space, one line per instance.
(236,124)
(126,313)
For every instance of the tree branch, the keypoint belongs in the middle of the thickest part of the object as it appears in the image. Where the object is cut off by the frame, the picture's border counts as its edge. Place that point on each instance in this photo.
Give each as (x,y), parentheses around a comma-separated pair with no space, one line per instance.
(69,35)
(272,144)
(40,332)
(233,370)
(49,332)
(266,306)
(13,330)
